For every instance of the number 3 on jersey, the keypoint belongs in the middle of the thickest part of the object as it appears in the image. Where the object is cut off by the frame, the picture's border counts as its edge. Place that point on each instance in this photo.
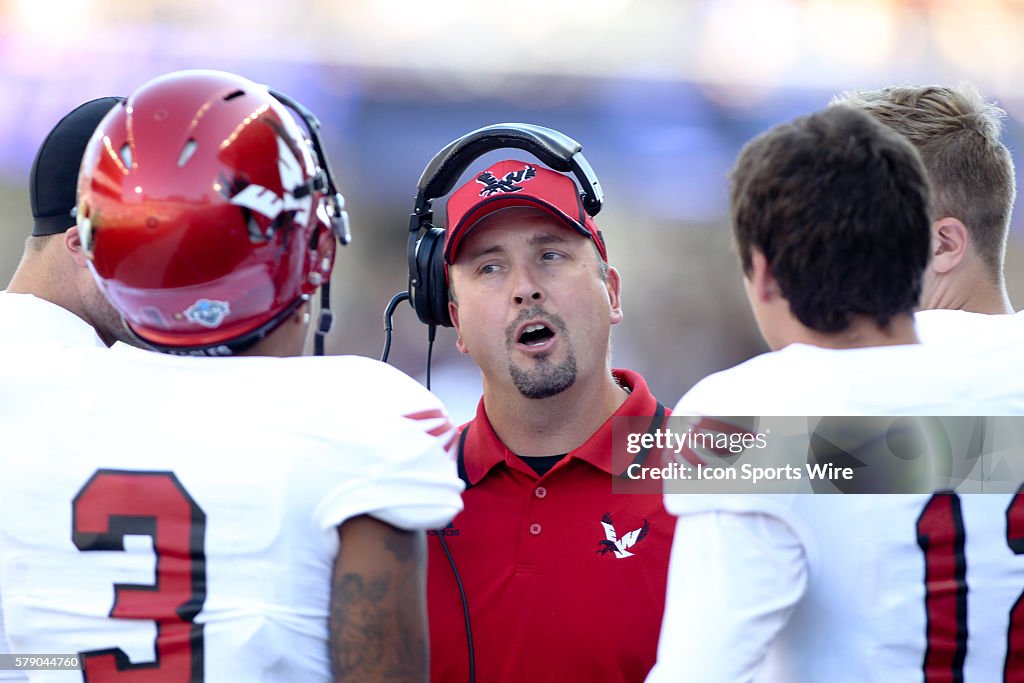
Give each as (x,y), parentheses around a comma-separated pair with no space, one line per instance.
(117,503)
(940,533)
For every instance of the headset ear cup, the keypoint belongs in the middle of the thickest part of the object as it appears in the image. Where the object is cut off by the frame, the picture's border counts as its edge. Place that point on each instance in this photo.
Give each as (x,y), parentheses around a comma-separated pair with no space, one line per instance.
(430,298)
(439,283)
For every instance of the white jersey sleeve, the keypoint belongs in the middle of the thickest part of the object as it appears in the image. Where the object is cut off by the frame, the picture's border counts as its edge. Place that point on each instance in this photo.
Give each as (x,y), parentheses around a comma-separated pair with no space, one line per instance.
(734,581)
(406,441)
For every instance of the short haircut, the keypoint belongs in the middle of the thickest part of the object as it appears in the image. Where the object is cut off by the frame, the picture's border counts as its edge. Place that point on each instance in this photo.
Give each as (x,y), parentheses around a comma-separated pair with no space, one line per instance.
(839,205)
(957,134)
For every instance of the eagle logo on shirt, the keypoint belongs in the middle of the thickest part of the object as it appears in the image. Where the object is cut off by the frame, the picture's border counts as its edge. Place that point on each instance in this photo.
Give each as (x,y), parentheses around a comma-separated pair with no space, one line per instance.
(492,184)
(620,546)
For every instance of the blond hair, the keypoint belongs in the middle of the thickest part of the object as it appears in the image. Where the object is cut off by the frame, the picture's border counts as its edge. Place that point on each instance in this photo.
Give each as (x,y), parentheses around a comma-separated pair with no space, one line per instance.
(957,134)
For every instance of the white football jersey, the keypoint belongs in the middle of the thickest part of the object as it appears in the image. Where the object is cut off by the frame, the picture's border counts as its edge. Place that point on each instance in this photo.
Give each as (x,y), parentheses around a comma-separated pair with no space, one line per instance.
(7,675)
(941,325)
(846,588)
(179,514)
(23,319)
(804,587)
(977,377)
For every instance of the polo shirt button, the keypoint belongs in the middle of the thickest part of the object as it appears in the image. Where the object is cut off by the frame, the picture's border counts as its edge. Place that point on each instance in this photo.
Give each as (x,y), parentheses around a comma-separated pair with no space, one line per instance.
(535,529)
(541,492)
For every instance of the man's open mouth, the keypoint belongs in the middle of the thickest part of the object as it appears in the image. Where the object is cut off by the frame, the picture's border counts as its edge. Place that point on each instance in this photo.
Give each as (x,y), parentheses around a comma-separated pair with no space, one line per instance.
(535,334)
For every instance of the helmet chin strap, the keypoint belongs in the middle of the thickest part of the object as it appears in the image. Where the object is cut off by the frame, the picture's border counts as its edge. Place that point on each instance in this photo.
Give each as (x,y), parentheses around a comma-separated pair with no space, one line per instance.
(325,320)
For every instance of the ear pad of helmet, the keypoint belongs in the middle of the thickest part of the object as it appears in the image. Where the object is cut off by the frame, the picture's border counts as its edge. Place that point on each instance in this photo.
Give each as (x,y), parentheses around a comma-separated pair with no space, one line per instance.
(323,255)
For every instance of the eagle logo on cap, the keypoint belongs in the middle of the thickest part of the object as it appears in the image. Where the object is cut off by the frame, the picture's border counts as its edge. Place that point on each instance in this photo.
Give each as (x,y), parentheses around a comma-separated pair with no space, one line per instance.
(507,184)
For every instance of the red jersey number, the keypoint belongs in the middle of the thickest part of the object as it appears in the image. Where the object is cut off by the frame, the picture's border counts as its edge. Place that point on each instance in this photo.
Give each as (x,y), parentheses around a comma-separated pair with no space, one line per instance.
(116,503)
(941,536)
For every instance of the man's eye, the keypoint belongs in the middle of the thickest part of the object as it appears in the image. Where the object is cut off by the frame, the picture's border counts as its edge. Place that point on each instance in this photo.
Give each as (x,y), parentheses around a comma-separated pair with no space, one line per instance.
(488,268)
(551,256)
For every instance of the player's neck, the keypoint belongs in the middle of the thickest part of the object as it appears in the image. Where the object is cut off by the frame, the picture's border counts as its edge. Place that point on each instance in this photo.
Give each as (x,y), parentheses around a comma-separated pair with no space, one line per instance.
(556,424)
(969,289)
(287,340)
(864,332)
(42,276)
(31,277)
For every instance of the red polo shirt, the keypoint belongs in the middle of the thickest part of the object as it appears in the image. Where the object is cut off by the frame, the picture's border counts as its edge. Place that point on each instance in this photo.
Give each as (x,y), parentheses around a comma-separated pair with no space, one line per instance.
(550,598)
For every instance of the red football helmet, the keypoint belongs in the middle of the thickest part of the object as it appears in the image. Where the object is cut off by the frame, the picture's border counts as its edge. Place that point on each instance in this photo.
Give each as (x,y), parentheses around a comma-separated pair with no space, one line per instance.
(207,214)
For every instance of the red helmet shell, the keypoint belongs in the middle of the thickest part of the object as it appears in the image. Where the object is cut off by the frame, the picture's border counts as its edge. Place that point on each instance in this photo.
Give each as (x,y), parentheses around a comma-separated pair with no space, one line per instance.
(198,210)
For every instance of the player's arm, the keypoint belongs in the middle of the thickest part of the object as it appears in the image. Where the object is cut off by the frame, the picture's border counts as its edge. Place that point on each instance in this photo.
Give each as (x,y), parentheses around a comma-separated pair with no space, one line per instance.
(734,581)
(378,625)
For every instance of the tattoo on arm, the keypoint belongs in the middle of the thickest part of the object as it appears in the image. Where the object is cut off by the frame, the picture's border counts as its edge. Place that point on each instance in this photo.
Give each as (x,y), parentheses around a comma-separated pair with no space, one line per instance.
(378,626)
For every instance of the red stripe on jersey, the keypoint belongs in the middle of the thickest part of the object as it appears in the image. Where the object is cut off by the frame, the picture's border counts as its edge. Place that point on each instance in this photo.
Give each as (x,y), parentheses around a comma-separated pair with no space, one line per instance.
(431,414)
(439,430)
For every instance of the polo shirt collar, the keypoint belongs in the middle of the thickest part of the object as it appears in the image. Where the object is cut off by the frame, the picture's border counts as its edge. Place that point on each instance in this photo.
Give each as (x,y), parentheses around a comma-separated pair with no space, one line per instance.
(35,318)
(483,450)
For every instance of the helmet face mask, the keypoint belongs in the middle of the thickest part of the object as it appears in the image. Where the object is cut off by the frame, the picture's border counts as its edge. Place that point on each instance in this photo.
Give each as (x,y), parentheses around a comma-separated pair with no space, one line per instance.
(204,212)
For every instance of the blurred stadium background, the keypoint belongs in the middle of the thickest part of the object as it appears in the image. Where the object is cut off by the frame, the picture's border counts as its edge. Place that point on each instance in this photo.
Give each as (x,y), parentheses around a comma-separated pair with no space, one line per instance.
(662,94)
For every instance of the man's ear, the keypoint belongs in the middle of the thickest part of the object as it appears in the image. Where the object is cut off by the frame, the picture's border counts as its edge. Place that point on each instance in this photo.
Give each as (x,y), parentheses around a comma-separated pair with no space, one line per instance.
(453,312)
(764,285)
(614,284)
(73,243)
(949,244)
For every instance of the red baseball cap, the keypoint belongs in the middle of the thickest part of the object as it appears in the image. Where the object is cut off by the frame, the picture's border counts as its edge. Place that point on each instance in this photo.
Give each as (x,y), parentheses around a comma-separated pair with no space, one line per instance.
(517,183)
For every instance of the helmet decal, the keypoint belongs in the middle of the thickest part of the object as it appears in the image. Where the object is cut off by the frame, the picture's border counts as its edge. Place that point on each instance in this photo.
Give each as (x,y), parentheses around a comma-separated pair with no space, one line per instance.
(265,201)
(208,313)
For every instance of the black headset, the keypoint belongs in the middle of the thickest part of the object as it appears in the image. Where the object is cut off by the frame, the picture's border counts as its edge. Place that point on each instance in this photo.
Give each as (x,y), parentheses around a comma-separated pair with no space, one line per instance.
(428,289)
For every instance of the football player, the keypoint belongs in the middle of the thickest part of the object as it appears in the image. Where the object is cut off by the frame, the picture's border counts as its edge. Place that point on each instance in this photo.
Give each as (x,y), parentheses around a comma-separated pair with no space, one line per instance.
(52,286)
(957,133)
(831,218)
(247,518)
